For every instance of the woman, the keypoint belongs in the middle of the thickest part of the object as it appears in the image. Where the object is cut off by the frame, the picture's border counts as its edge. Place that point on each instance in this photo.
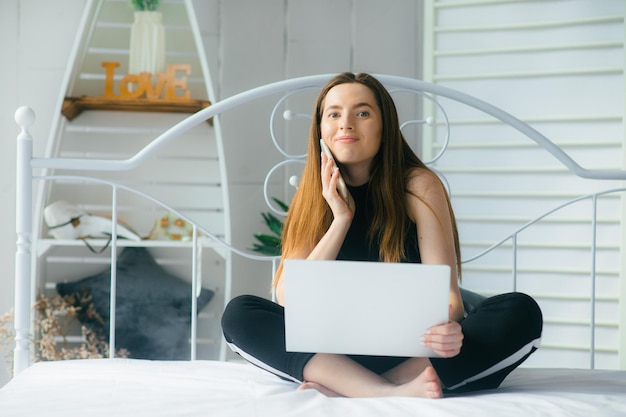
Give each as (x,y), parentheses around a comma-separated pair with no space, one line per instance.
(396,210)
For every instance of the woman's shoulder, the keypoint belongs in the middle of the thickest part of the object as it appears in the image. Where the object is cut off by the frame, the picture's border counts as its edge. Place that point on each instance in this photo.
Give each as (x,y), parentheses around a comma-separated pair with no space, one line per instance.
(422,181)
(426,194)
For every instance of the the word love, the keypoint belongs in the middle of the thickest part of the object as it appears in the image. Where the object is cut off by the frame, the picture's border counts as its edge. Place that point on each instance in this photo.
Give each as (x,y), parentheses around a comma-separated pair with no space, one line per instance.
(133,86)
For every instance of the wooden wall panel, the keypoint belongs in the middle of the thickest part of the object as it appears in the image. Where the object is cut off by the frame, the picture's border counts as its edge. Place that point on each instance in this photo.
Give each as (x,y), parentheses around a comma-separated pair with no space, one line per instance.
(559,66)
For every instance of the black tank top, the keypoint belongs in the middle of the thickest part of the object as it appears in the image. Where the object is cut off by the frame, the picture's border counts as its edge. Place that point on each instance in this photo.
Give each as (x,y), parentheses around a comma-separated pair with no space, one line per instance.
(357,245)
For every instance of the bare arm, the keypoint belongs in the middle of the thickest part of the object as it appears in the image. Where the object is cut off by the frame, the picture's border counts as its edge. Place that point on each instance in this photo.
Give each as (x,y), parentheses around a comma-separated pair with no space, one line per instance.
(329,245)
(429,209)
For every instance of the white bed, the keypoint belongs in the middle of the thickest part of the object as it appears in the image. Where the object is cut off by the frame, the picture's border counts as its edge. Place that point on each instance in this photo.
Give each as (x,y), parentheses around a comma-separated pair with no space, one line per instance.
(122,387)
(132,387)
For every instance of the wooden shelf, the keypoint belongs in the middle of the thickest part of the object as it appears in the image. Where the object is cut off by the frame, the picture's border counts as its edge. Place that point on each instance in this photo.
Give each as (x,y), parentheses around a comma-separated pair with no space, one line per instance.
(73,106)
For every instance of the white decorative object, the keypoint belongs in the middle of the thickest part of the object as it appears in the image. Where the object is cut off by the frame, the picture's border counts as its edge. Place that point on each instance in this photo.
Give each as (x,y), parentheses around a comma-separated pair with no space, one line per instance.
(66,220)
(147,43)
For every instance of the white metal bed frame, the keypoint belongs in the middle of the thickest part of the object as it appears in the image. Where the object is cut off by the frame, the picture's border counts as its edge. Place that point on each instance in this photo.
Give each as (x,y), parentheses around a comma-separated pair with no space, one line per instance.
(26,163)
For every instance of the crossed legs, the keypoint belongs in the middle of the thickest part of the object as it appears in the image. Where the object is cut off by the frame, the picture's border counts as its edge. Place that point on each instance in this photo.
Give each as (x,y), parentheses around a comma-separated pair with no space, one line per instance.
(499,334)
(338,375)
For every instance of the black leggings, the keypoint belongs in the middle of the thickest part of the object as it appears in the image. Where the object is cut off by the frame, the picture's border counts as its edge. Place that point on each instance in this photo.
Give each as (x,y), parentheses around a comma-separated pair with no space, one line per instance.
(499,334)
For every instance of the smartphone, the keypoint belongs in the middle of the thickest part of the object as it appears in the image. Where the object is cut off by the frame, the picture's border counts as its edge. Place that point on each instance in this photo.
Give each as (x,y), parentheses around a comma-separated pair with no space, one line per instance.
(343,190)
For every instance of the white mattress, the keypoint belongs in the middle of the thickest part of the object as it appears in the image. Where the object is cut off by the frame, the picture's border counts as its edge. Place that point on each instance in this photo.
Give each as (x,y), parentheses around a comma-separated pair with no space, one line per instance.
(127,387)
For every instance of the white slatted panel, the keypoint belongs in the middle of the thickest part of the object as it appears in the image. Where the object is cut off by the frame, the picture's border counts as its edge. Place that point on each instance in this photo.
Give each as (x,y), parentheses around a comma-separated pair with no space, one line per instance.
(559,66)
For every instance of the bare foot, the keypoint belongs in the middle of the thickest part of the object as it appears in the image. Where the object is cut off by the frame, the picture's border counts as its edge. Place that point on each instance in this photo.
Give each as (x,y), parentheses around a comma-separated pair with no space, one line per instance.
(336,375)
(406,371)
(318,387)
(426,385)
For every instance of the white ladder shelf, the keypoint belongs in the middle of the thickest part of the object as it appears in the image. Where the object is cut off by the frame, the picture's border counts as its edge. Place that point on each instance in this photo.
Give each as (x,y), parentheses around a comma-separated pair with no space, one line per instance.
(189,175)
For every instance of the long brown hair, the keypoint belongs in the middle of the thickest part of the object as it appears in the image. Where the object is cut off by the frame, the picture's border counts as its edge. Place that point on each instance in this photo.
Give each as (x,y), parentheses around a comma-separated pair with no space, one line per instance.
(309,215)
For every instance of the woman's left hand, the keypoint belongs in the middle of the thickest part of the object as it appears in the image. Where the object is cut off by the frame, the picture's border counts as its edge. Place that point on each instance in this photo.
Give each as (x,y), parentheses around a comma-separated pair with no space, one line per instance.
(445,339)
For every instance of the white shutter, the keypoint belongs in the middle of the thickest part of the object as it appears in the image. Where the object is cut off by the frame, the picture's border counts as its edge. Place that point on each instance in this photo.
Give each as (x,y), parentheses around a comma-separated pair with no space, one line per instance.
(557,65)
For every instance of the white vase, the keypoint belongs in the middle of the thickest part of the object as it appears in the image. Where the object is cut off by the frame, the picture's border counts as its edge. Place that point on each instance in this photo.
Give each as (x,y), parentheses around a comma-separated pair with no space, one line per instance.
(147,44)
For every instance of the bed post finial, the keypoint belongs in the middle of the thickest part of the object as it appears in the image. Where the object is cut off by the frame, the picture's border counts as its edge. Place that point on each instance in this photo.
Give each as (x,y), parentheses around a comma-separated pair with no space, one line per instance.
(25,117)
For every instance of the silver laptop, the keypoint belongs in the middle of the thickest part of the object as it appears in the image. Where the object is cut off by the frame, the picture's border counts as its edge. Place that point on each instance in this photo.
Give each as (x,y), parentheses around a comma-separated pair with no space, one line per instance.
(363,308)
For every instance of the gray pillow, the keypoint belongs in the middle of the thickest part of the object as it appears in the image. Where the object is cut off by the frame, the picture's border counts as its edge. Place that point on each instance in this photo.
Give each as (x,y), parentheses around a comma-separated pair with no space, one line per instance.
(153,314)
(471,299)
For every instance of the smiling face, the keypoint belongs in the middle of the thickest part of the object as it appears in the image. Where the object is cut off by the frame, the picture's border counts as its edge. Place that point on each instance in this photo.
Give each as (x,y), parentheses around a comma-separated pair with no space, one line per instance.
(351,124)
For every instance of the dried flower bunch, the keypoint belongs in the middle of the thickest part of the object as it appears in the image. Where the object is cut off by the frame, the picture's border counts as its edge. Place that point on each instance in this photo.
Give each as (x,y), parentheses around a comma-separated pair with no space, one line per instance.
(7,335)
(57,315)
(145,5)
(55,319)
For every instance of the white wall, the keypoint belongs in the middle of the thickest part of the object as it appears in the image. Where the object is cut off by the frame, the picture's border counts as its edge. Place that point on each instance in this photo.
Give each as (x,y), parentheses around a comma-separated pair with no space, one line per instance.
(277,39)
(35,40)
(8,35)
(248,43)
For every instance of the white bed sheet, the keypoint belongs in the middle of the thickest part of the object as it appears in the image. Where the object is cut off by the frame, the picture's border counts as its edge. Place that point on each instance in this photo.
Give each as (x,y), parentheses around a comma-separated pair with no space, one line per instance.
(128,387)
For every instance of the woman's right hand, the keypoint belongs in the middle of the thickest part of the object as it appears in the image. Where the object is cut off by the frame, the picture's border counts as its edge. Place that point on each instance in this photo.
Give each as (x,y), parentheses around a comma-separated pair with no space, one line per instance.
(329,245)
(341,208)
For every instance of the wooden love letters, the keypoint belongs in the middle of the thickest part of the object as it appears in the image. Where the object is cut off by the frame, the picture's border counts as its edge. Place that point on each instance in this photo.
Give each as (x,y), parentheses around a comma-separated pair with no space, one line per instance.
(162,92)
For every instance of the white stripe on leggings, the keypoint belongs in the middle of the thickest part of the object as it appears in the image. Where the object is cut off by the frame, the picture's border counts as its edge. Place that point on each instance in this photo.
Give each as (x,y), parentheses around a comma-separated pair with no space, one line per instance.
(517,356)
(261,364)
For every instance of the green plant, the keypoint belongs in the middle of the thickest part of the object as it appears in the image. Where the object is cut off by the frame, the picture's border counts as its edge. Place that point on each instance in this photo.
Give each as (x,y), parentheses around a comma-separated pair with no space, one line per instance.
(145,5)
(270,244)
